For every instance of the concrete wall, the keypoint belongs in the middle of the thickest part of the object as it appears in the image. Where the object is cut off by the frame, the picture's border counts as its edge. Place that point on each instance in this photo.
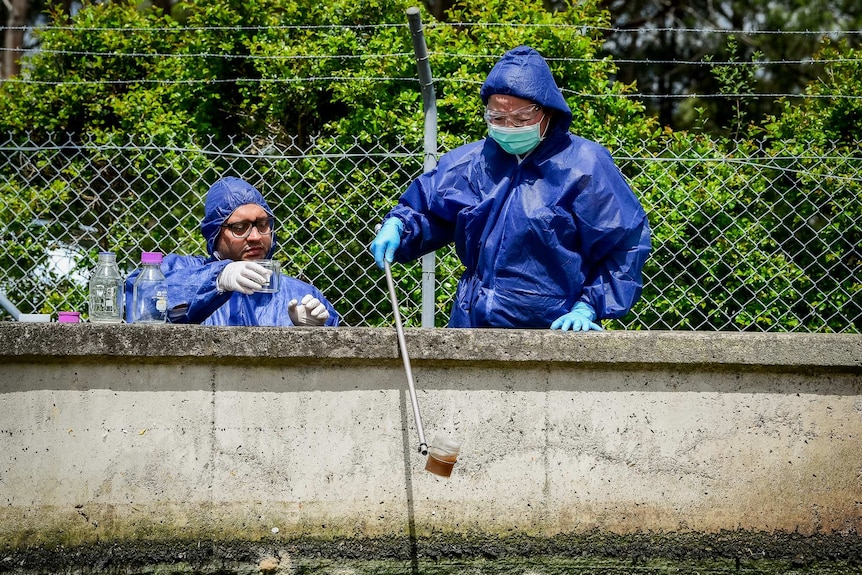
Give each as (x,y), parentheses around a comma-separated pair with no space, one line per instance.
(109,432)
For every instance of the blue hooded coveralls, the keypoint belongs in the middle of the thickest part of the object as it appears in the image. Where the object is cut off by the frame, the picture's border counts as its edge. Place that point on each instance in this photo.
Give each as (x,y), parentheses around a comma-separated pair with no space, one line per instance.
(535,236)
(193,295)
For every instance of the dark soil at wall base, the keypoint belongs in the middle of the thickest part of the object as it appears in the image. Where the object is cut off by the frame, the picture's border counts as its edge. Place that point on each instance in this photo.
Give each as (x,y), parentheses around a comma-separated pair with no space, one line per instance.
(445,554)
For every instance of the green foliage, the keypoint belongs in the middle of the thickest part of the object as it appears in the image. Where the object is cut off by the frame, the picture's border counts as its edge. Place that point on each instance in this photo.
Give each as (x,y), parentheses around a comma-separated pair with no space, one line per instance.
(818,213)
(761,232)
(658,39)
(735,80)
(833,111)
(714,264)
(79,81)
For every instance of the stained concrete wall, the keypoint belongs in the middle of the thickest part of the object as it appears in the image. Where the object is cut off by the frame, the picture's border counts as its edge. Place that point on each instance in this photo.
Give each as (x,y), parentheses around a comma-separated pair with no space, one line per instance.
(129,431)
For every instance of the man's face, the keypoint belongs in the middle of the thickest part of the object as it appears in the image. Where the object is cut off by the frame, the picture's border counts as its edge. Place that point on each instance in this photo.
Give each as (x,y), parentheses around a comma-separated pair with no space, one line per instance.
(255,246)
(511,111)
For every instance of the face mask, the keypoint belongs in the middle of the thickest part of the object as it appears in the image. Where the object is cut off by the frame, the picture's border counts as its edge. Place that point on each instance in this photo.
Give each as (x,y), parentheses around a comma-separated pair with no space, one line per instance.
(517,141)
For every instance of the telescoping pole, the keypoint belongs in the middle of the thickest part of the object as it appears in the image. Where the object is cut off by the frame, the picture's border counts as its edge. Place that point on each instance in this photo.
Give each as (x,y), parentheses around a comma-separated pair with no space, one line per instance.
(405,357)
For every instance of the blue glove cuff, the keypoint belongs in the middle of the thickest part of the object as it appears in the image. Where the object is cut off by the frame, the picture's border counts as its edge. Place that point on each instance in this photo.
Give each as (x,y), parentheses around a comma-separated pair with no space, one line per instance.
(586,309)
(399,225)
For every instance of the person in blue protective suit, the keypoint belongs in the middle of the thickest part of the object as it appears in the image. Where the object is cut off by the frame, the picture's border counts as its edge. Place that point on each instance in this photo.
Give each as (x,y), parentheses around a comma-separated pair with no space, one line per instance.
(548,231)
(221,289)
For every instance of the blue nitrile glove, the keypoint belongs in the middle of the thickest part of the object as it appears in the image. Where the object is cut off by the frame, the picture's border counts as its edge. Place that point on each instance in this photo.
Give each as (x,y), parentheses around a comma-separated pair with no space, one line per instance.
(387,241)
(579,319)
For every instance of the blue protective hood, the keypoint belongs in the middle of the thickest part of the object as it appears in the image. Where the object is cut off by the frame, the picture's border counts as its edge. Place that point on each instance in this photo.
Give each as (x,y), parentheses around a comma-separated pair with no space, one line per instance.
(522,72)
(223,197)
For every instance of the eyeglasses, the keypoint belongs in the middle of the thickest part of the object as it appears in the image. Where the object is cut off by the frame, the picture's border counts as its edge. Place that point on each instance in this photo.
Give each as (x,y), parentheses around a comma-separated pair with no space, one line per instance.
(517,118)
(242,230)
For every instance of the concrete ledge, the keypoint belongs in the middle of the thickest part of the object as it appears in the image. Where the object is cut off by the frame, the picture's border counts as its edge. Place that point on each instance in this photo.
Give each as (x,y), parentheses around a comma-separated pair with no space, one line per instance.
(117,433)
(121,343)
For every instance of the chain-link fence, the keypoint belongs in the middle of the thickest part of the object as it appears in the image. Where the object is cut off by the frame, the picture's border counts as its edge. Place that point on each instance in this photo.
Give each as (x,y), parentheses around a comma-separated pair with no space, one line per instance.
(741,240)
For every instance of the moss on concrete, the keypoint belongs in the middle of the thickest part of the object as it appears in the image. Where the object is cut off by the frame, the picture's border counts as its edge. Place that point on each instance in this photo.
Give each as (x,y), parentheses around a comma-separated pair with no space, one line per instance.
(445,554)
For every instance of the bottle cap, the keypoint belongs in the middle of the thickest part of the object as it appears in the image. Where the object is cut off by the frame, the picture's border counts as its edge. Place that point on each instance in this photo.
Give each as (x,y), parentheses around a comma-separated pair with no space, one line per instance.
(151,257)
(69,317)
(106,256)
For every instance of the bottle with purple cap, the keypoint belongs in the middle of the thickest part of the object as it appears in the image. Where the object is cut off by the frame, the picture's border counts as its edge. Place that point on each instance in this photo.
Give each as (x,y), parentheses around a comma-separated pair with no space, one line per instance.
(150,292)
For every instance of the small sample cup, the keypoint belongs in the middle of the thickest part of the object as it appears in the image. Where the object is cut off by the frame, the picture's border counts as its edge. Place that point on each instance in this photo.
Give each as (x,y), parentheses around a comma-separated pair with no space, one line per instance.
(272,285)
(69,317)
(442,455)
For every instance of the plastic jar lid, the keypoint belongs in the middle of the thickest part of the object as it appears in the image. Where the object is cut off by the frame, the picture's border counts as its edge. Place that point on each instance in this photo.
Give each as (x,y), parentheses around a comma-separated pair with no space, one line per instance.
(69,317)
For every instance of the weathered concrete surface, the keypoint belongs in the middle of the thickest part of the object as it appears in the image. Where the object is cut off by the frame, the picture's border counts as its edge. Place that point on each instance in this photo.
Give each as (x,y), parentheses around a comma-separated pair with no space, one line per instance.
(119,432)
(644,349)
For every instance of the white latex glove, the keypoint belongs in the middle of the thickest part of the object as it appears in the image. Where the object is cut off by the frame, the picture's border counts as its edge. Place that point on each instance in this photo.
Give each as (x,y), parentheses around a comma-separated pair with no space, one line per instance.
(244,277)
(310,311)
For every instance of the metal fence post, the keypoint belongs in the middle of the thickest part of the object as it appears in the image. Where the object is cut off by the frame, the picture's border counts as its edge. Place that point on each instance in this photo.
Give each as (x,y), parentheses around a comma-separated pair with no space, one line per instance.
(429,105)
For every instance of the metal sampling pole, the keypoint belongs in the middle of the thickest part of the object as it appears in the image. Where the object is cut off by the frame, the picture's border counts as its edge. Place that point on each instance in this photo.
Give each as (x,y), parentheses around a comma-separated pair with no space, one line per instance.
(402,344)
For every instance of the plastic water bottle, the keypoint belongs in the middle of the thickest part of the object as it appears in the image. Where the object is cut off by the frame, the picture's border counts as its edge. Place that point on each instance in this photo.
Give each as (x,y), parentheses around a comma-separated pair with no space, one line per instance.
(150,292)
(106,290)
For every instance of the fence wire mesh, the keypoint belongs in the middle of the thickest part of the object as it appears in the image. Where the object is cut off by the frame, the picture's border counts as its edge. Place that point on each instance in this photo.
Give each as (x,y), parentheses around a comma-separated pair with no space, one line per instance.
(776,247)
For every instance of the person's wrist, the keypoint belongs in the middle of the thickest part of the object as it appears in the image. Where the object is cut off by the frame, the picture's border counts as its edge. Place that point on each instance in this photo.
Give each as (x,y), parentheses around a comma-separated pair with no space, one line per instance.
(585,309)
(396,223)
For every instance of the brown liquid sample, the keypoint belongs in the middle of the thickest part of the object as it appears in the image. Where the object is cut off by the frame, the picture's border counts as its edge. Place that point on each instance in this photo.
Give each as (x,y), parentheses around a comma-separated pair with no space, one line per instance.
(441,465)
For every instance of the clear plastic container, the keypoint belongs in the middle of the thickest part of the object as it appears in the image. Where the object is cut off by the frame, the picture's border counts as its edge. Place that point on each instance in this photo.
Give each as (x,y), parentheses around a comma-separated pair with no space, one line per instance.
(150,292)
(106,290)
(442,455)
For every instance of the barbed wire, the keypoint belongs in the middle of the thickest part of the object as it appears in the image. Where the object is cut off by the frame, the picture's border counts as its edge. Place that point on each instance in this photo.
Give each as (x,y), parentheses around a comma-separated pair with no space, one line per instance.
(747,96)
(411,79)
(433,25)
(217,55)
(432,54)
(758,63)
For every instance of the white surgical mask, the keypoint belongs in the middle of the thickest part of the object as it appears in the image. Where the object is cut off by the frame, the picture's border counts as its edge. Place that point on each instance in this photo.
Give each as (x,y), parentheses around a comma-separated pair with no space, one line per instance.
(517,141)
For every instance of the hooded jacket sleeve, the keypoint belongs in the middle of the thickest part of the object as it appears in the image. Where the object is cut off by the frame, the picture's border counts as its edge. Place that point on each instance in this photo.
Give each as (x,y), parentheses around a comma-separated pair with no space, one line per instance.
(615,239)
(431,204)
(193,293)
